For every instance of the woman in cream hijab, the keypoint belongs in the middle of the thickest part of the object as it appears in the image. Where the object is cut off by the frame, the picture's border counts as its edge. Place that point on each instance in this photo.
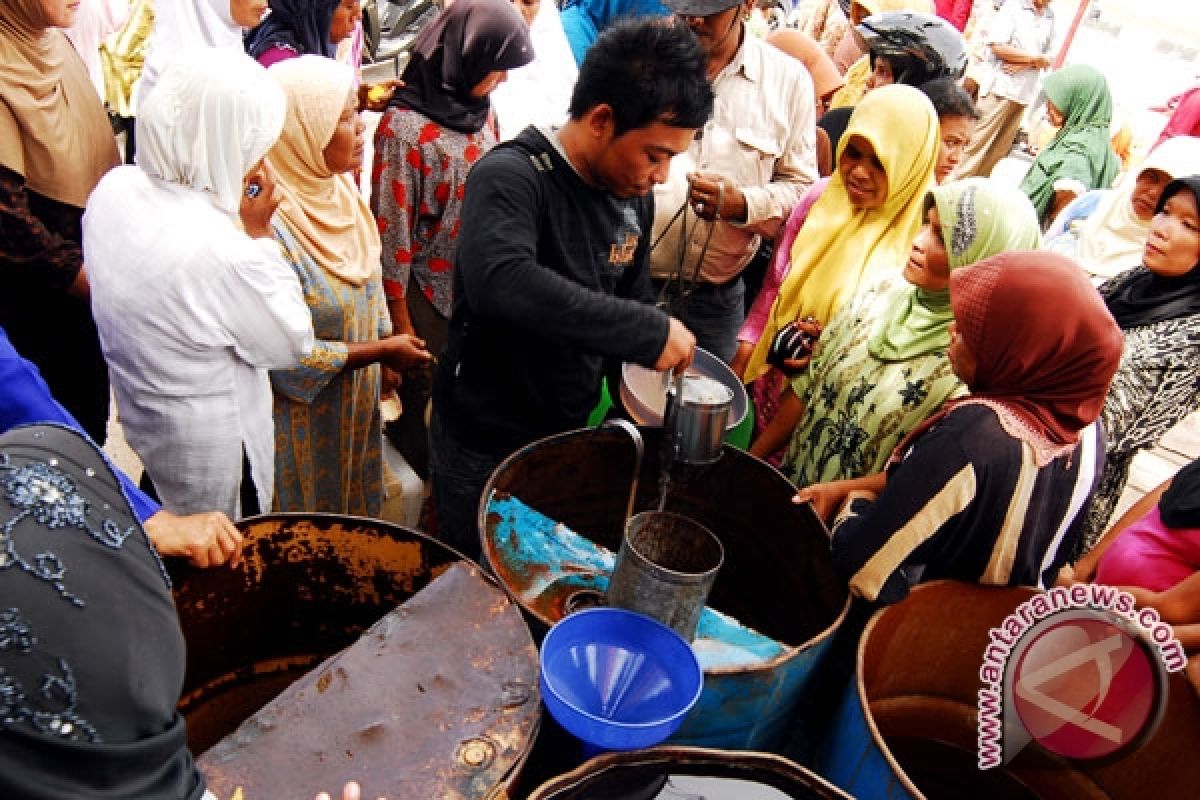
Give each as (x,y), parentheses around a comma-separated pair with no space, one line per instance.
(328,428)
(192,298)
(55,144)
(1109,239)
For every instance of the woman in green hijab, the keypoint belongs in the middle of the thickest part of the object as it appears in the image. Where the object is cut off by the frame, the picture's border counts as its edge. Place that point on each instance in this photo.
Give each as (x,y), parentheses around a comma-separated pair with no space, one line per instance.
(1079,157)
(880,367)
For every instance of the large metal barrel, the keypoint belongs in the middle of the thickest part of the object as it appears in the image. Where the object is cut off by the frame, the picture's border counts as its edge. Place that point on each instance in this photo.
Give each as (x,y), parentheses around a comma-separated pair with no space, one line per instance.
(777,578)
(673,771)
(907,724)
(309,585)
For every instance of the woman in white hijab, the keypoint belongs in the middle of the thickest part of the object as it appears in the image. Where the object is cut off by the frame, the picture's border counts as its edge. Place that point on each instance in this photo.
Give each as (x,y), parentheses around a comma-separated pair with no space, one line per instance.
(181,25)
(539,92)
(193,304)
(1105,229)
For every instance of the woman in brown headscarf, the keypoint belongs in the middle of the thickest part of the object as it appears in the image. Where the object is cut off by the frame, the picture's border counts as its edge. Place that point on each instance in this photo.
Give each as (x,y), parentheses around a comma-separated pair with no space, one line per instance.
(990,488)
(55,144)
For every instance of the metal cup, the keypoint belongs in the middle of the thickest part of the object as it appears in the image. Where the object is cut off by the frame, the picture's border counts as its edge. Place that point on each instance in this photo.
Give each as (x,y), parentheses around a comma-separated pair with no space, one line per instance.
(698,423)
(665,569)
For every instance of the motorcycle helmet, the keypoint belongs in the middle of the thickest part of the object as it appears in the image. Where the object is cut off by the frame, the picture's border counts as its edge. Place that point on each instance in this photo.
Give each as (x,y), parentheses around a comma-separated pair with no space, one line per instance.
(919,47)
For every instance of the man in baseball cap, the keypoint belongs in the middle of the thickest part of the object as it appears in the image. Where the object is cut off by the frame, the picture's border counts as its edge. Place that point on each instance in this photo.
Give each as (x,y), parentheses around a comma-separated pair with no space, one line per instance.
(738,180)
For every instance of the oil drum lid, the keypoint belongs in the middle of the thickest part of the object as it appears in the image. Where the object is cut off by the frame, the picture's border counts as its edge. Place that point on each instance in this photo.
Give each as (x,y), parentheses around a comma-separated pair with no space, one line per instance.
(437,699)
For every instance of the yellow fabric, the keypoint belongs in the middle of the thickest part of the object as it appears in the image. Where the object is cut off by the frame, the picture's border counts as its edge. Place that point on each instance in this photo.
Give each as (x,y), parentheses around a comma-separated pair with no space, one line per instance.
(53,130)
(840,247)
(122,56)
(325,212)
(855,86)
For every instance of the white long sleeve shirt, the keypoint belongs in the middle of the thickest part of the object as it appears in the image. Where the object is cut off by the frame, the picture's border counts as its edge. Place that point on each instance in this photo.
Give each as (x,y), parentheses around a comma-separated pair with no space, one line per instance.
(191,314)
(762,136)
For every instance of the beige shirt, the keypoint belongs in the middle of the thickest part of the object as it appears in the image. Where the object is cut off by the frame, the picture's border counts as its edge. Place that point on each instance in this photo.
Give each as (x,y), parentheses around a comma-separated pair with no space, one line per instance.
(762,137)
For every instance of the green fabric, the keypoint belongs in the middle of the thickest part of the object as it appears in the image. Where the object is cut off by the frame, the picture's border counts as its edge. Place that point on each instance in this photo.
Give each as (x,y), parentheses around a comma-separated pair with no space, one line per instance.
(979,219)
(858,407)
(1081,148)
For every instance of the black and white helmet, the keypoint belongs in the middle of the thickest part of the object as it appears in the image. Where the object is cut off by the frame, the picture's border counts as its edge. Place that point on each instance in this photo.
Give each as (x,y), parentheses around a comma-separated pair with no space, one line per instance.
(920,47)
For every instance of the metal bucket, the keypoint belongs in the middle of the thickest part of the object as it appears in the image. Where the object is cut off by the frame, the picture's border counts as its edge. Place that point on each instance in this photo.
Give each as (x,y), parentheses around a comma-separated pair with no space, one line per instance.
(308,586)
(691,772)
(665,569)
(777,576)
(907,725)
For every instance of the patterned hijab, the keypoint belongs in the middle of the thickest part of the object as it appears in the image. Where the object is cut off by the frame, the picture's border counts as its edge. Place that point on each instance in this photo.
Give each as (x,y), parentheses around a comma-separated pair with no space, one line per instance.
(302,25)
(53,131)
(1081,93)
(1045,347)
(842,247)
(1112,238)
(456,51)
(325,212)
(980,218)
(91,654)
(1140,297)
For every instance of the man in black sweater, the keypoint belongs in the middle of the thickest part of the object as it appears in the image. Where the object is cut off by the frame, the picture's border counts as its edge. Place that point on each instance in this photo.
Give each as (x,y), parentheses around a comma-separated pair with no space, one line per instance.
(551,276)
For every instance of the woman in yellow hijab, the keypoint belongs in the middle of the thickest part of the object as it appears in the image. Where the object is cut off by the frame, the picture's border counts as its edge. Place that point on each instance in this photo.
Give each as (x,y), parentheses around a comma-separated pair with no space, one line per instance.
(866,217)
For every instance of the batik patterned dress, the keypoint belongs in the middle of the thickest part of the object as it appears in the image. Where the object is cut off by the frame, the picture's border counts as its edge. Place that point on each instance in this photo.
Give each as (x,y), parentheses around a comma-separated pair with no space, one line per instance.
(328,445)
(858,406)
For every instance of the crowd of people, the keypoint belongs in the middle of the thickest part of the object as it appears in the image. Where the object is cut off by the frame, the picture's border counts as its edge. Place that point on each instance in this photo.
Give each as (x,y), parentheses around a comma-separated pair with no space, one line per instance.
(930,358)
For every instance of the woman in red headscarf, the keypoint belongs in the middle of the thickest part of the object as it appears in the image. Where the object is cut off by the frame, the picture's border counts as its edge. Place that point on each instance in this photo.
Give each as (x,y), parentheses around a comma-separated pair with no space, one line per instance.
(989,489)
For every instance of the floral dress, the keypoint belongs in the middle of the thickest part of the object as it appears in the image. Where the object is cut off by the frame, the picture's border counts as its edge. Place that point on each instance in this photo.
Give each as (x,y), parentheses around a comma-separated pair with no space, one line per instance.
(417,185)
(859,407)
(328,428)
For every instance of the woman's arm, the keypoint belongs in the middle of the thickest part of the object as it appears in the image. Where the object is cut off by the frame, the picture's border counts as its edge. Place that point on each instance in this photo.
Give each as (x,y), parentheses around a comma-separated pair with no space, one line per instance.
(397,186)
(1085,568)
(1155,387)
(779,431)
(827,498)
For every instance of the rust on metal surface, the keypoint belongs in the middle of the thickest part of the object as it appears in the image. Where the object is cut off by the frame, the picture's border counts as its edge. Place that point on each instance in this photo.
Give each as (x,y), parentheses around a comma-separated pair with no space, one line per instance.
(437,699)
(643,773)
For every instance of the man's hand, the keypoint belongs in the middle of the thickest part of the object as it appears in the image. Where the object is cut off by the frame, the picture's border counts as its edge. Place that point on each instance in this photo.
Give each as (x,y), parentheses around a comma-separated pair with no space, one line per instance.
(207,539)
(680,349)
(716,197)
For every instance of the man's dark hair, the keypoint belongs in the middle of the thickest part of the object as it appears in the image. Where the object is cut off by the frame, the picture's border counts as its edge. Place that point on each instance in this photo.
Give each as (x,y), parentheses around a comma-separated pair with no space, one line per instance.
(949,99)
(648,69)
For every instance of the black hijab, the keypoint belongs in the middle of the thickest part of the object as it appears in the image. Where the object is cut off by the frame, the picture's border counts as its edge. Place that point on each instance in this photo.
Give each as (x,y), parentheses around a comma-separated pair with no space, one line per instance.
(456,51)
(1142,298)
(1179,506)
(302,25)
(91,655)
